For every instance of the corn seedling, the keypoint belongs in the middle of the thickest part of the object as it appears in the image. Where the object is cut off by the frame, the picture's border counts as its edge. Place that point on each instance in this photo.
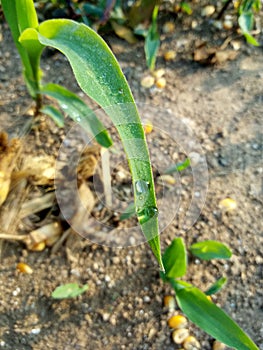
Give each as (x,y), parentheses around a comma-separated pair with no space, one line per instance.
(194,303)
(100,77)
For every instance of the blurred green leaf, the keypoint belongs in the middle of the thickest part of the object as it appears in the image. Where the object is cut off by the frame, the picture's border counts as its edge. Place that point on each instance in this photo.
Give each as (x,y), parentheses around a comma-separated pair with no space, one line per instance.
(175,260)
(211,318)
(70,290)
(55,114)
(152,41)
(207,250)
(178,167)
(246,21)
(217,286)
(128,212)
(77,110)
(185,7)
(250,39)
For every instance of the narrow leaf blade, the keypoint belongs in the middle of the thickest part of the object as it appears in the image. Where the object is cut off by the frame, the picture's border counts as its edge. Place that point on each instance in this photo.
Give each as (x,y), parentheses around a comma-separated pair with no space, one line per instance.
(78,111)
(55,114)
(217,286)
(211,318)
(210,249)
(104,82)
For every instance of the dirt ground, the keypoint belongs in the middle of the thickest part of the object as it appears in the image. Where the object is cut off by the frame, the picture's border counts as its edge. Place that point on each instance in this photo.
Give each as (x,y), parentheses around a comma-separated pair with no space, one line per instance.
(215,110)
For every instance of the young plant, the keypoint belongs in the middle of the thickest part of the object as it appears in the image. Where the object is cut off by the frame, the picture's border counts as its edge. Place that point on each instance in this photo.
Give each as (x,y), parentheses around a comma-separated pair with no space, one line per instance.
(193,302)
(100,77)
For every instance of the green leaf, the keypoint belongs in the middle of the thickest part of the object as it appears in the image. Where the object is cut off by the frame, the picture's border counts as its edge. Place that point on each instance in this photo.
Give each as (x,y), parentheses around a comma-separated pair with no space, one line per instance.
(55,114)
(209,317)
(128,212)
(175,259)
(27,16)
(250,39)
(217,286)
(246,21)
(77,110)
(178,167)
(70,290)
(16,23)
(152,41)
(100,77)
(207,250)
(185,7)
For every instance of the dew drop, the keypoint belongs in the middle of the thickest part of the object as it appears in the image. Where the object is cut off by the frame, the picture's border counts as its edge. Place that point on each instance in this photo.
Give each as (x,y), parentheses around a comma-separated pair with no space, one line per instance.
(141,187)
(120,91)
(147,213)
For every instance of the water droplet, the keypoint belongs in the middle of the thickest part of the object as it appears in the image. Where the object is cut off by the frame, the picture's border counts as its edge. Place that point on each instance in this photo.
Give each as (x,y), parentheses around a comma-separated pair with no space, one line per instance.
(142,187)
(120,91)
(147,213)
(64,106)
(78,119)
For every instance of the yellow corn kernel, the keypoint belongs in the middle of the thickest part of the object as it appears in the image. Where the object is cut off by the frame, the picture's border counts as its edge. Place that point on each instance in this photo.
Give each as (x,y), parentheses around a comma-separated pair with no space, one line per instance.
(179,335)
(177,321)
(209,298)
(228,204)
(217,345)
(161,83)
(38,247)
(147,81)
(169,55)
(191,343)
(168,27)
(148,127)
(169,302)
(24,268)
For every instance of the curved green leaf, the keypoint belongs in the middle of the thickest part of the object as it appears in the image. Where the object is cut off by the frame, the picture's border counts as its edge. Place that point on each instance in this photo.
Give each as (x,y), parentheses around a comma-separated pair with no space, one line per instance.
(217,286)
(207,250)
(175,259)
(100,77)
(70,290)
(211,318)
(77,110)
(55,114)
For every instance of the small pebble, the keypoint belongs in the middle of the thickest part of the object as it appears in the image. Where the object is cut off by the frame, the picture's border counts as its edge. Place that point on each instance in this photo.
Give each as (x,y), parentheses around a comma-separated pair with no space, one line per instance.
(146,299)
(208,10)
(35,331)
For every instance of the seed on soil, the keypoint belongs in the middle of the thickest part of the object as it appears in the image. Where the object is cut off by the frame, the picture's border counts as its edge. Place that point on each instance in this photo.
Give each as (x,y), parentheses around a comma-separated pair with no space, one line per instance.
(161,83)
(177,322)
(179,335)
(207,11)
(24,268)
(169,55)
(168,27)
(217,345)
(167,179)
(147,82)
(158,73)
(191,343)
(148,127)
(38,247)
(228,204)
(169,302)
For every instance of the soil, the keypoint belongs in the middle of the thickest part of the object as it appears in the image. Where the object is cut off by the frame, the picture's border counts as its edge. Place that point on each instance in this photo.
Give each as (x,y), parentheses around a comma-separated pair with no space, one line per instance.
(214,111)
